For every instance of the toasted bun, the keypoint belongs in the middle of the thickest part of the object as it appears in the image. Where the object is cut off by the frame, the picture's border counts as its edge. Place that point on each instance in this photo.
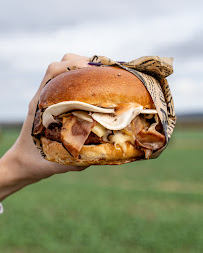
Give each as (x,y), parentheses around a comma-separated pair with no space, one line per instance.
(102,154)
(100,86)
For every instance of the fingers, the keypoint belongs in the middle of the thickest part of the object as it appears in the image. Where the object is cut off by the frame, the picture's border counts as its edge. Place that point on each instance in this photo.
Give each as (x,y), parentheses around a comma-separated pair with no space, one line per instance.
(69,62)
(76,61)
(68,168)
(51,168)
(25,142)
(54,69)
(70,56)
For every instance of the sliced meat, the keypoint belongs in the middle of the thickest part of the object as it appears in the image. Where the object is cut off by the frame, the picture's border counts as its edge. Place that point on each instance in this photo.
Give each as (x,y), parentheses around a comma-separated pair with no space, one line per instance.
(147,153)
(137,125)
(53,134)
(150,140)
(74,133)
(93,139)
(37,126)
(146,136)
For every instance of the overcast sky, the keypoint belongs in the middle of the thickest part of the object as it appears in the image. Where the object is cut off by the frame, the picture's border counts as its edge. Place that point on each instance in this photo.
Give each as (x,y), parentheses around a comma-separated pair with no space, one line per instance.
(35,33)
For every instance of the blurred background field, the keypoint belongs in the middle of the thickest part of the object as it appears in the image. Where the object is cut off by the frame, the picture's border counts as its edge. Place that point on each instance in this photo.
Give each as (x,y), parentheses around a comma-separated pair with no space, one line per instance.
(148,206)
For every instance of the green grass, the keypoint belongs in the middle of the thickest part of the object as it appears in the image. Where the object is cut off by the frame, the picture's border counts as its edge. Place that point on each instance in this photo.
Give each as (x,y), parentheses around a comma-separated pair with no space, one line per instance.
(153,206)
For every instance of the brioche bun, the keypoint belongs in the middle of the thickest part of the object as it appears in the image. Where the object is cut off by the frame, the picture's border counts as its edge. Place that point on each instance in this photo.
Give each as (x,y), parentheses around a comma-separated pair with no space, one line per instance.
(102,154)
(99,86)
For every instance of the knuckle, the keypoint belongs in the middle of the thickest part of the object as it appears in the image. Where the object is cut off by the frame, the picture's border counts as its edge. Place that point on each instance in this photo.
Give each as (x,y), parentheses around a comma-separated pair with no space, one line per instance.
(52,67)
(68,56)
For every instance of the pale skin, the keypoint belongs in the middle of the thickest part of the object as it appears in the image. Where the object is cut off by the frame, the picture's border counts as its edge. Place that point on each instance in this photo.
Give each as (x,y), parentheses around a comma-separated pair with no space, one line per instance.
(22,164)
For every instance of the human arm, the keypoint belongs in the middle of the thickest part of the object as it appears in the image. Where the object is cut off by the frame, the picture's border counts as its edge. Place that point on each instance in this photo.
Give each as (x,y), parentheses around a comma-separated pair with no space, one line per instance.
(22,164)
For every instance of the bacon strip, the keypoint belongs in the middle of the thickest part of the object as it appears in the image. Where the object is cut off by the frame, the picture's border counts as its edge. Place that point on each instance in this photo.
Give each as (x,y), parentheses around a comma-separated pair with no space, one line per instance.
(74,133)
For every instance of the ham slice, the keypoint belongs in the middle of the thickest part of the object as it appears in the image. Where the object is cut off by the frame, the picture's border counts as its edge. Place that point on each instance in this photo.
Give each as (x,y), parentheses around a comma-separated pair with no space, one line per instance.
(148,153)
(93,139)
(146,136)
(38,127)
(150,140)
(74,133)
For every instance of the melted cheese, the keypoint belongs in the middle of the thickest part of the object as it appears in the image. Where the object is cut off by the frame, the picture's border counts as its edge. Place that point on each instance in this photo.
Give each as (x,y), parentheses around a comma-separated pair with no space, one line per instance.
(120,139)
(99,130)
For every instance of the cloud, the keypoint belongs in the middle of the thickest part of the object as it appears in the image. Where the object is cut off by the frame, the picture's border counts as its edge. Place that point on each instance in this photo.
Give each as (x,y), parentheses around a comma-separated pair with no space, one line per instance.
(37,34)
(52,15)
(36,15)
(186,49)
(187,95)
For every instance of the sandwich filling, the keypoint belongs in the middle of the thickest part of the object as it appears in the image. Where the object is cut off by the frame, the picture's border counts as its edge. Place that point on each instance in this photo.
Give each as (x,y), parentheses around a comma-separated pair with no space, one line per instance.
(75,124)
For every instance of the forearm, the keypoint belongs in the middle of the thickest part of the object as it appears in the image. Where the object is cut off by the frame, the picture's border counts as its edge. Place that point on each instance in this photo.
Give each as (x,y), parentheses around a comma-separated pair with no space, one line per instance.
(22,164)
(12,177)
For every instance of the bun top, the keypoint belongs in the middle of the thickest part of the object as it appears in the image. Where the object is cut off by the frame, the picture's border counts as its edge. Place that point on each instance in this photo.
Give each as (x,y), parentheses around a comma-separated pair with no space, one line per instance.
(100,86)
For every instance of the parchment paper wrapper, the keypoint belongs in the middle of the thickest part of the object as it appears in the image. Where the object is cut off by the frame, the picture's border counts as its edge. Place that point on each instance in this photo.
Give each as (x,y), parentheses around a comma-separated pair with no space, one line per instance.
(152,71)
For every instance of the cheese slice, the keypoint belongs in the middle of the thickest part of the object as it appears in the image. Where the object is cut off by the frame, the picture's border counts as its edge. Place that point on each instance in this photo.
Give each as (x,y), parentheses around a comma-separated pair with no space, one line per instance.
(106,117)
(149,111)
(117,122)
(83,115)
(62,107)
(99,130)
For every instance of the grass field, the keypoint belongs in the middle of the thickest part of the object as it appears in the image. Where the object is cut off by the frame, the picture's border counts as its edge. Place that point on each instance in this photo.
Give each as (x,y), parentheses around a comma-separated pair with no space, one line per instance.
(151,206)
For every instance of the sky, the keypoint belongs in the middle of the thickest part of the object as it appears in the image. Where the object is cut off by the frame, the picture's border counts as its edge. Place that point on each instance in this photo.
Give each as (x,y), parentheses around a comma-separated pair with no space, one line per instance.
(35,33)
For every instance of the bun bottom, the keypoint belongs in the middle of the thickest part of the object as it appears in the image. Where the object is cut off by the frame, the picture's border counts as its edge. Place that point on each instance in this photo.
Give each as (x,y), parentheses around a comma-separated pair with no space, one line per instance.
(102,154)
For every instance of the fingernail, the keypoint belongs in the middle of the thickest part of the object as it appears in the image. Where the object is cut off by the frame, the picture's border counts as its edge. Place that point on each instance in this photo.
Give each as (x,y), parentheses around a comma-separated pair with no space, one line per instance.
(95,63)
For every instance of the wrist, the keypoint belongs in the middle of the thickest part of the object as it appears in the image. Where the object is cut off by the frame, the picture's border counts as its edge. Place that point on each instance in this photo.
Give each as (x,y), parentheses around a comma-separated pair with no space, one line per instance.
(12,176)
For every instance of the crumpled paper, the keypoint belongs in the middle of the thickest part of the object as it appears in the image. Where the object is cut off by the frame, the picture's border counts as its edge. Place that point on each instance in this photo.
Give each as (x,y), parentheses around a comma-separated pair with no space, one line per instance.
(152,71)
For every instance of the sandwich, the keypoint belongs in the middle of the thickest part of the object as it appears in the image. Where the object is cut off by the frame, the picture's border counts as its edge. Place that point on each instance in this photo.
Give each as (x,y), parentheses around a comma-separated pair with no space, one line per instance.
(97,116)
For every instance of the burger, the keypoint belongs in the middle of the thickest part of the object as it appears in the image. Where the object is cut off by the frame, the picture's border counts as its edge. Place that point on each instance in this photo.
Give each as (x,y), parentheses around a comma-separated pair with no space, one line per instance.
(97,115)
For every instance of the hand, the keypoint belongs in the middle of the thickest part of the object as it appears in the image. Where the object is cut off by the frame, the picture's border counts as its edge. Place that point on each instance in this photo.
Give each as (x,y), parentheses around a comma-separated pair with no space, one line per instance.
(23,164)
